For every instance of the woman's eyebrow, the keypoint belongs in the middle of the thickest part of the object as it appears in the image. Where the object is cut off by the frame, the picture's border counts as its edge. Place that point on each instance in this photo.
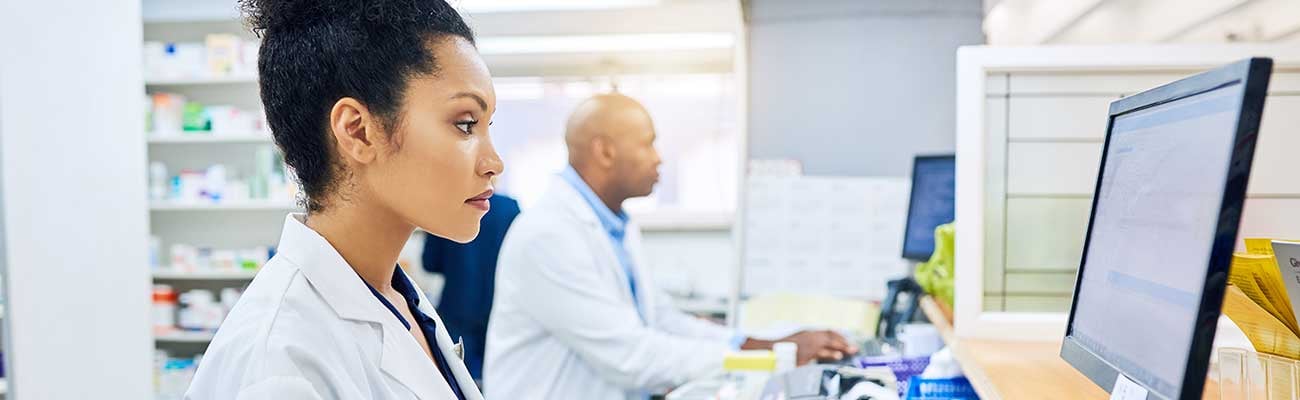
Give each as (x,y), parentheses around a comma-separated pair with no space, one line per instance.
(478,99)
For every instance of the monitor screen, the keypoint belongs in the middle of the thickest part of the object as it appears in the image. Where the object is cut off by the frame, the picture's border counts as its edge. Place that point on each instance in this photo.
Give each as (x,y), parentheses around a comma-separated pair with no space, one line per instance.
(1154,224)
(933,190)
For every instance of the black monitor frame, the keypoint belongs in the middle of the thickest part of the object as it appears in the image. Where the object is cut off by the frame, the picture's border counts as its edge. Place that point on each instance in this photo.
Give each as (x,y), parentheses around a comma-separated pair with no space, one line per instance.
(911,204)
(1254,75)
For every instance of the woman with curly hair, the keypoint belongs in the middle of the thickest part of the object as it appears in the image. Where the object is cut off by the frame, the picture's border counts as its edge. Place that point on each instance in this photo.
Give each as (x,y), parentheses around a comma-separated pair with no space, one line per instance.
(381,109)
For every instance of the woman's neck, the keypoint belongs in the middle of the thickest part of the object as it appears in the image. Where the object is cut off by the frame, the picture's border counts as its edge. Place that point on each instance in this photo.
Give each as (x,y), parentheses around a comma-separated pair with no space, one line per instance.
(369,238)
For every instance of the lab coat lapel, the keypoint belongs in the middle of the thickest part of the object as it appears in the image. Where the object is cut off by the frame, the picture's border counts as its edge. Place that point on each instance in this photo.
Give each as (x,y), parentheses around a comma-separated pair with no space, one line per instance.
(644,284)
(348,296)
(405,361)
(328,272)
(569,198)
(455,359)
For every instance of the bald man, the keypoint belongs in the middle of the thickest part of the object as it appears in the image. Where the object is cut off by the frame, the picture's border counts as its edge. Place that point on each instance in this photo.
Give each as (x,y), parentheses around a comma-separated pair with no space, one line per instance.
(577,314)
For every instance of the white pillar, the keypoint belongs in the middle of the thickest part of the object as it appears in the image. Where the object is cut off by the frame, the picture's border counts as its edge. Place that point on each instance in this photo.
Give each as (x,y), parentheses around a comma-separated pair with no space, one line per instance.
(73,193)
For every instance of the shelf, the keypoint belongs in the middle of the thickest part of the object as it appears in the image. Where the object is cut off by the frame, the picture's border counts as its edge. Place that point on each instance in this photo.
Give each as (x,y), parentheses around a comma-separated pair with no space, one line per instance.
(187,138)
(185,337)
(684,221)
(265,205)
(229,80)
(204,276)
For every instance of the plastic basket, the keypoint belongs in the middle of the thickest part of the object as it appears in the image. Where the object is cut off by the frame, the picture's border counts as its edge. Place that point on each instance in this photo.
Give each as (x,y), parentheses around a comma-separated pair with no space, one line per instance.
(904,368)
(934,389)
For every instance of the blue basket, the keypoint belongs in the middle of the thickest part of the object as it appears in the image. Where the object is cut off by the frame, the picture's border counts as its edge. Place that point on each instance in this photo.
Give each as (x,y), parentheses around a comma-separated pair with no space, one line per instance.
(935,389)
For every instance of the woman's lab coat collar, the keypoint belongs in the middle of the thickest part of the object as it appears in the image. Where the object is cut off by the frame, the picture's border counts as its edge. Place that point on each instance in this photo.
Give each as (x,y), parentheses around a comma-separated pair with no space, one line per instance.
(346,293)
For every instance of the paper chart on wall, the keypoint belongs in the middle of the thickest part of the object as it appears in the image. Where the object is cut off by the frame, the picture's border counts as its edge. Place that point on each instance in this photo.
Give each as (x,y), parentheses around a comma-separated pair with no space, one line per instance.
(836,236)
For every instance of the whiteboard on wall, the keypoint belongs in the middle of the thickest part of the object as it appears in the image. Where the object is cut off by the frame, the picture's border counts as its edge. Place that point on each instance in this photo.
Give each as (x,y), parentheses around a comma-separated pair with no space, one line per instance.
(838,236)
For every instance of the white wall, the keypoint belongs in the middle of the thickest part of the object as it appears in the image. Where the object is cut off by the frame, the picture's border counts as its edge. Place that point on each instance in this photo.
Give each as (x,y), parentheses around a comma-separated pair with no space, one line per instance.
(75,222)
(1052,126)
(855,87)
(1031,124)
(696,263)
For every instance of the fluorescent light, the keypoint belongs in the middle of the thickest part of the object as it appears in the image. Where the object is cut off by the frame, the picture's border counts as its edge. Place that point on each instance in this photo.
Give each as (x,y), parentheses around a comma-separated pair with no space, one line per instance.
(491,6)
(604,43)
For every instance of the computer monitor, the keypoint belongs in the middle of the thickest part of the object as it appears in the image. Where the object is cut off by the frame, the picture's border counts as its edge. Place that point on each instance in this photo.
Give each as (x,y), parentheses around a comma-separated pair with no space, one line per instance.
(934,183)
(1164,221)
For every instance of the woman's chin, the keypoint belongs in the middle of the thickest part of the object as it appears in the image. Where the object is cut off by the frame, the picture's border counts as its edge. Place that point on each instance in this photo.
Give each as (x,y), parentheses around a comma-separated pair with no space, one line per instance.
(462,235)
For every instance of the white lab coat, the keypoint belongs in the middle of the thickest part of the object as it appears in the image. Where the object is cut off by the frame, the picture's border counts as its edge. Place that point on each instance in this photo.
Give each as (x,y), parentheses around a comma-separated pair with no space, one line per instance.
(309,328)
(563,323)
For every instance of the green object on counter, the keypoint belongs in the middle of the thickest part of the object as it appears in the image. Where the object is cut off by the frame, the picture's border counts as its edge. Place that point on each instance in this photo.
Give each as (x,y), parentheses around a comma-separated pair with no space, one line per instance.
(195,118)
(936,275)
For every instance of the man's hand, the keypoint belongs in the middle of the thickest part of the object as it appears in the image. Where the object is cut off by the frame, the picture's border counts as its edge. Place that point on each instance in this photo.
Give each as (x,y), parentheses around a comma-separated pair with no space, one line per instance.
(813,345)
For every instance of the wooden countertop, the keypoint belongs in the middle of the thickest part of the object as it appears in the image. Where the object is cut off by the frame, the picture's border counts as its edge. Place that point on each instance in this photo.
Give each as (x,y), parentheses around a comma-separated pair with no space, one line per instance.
(1013,370)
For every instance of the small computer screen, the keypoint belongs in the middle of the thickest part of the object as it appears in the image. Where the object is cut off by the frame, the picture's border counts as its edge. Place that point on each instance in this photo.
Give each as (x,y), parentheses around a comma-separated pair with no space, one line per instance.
(1153,230)
(933,190)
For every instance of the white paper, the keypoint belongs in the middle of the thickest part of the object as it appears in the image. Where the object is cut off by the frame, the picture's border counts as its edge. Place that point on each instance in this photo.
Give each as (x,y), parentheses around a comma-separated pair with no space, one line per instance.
(823,235)
(1288,262)
(1126,389)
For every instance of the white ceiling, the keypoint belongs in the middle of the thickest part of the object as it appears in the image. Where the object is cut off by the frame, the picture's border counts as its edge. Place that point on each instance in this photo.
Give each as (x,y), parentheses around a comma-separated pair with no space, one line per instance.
(540,37)
(522,17)
(1031,22)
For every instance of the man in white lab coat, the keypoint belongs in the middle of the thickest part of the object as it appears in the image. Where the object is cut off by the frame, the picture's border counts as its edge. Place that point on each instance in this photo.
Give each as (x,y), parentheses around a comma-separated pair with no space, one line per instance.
(577,314)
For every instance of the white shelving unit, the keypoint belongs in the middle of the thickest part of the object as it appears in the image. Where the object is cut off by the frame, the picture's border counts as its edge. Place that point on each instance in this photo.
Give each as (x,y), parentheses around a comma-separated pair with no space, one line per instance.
(185,337)
(245,80)
(189,138)
(241,275)
(253,205)
(226,225)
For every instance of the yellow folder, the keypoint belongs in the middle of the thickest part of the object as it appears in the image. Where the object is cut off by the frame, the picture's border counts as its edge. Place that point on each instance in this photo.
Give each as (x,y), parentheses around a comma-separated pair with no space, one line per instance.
(1257,301)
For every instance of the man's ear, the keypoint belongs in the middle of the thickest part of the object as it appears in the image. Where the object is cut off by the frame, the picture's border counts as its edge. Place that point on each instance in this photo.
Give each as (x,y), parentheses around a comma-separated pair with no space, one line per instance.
(603,151)
(355,131)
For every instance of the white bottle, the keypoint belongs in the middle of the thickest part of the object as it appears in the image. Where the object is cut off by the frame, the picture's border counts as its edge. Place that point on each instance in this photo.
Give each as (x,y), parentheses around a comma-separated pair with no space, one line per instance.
(164,309)
(157,181)
(787,356)
(200,311)
(215,183)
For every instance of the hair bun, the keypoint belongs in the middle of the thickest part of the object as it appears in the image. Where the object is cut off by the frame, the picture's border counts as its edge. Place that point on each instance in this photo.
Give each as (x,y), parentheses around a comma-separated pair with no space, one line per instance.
(271,15)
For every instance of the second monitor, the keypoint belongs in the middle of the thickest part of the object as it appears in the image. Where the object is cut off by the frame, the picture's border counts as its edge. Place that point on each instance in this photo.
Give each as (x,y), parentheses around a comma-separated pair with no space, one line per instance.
(933,191)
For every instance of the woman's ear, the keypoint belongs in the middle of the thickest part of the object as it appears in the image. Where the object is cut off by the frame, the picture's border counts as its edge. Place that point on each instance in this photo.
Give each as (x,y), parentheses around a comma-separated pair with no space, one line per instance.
(355,131)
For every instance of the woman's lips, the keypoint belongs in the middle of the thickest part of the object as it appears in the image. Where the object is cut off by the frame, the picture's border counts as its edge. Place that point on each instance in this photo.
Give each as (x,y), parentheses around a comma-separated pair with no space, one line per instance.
(481,201)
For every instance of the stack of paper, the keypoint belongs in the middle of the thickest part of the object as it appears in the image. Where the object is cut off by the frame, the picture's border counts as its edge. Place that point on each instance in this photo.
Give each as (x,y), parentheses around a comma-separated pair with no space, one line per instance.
(1258,303)
(779,315)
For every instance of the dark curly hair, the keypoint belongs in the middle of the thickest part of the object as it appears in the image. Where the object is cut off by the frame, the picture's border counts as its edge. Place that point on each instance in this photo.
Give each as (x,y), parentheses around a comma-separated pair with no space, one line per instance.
(315,52)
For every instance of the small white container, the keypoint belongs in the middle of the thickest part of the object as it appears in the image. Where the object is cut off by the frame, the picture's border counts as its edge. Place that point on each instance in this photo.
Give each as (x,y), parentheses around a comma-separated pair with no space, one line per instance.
(164,309)
(1247,375)
(787,356)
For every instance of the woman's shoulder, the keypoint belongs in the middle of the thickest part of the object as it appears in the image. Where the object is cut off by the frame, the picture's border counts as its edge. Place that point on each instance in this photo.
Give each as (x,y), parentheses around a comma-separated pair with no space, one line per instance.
(279,311)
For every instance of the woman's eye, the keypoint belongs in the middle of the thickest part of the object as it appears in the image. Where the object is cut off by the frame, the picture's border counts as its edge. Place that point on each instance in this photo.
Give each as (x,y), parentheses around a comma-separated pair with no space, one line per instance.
(466,127)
